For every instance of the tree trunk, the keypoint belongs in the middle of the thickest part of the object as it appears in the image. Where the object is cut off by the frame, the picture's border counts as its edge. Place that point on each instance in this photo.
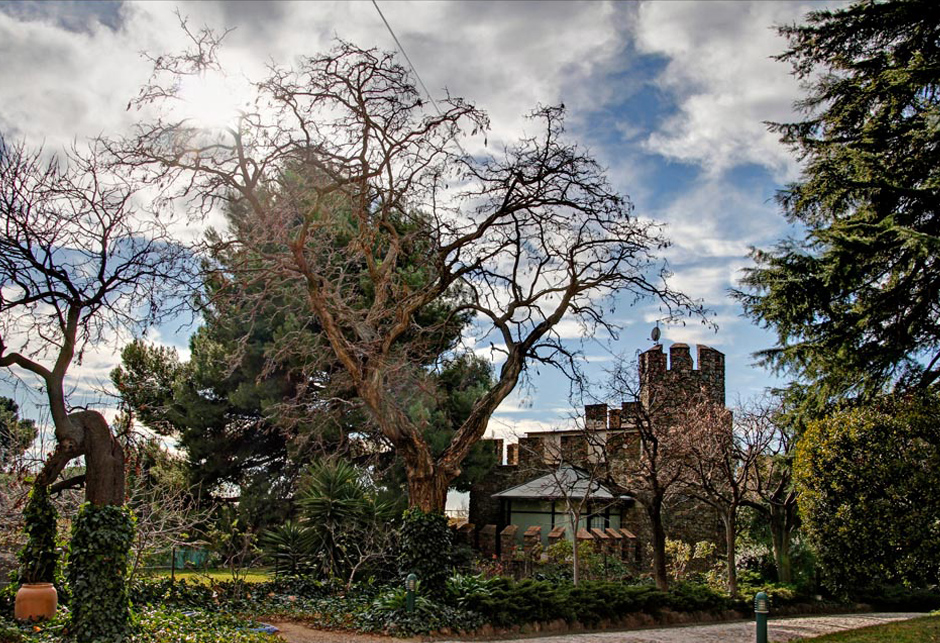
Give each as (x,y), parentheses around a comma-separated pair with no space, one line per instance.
(428,492)
(655,512)
(780,534)
(731,532)
(574,519)
(104,461)
(104,458)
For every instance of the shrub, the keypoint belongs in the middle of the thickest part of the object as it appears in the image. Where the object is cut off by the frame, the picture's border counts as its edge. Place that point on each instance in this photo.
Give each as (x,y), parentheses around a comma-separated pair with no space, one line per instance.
(98,556)
(695,597)
(427,545)
(461,588)
(900,598)
(427,616)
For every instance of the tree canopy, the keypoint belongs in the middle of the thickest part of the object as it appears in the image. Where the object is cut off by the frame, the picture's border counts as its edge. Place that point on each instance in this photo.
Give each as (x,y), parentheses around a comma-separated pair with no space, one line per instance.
(391,218)
(16,434)
(260,398)
(855,301)
(867,480)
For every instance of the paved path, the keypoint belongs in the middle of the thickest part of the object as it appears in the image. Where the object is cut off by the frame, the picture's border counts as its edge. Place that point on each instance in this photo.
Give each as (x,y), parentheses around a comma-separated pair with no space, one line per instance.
(785,629)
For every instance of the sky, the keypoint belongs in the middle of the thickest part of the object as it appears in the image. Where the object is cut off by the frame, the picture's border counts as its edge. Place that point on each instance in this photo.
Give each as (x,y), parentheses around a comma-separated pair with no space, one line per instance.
(672,97)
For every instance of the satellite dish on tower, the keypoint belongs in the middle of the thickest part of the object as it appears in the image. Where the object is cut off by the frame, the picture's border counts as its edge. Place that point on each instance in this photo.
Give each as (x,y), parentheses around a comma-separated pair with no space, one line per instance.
(655,334)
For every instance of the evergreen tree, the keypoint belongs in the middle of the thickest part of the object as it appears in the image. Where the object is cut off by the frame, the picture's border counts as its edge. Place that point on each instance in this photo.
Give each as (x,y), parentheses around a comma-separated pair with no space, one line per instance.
(16,434)
(257,401)
(855,302)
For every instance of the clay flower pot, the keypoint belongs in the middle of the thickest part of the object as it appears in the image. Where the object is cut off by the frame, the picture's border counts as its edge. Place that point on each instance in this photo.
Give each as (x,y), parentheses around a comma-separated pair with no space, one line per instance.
(35,602)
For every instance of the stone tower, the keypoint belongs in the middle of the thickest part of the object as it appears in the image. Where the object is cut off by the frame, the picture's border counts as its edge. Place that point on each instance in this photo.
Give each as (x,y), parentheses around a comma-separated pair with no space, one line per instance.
(677,385)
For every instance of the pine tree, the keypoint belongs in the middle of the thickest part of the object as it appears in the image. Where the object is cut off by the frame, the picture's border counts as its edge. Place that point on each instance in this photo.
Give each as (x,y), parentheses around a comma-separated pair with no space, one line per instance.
(855,302)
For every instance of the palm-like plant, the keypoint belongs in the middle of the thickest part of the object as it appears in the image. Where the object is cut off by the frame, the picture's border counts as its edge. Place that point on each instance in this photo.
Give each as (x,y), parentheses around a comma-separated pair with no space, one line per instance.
(291,545)
(343,522)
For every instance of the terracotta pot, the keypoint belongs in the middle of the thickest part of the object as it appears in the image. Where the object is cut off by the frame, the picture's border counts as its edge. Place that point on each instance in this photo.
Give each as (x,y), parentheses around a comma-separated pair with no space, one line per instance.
(35,602)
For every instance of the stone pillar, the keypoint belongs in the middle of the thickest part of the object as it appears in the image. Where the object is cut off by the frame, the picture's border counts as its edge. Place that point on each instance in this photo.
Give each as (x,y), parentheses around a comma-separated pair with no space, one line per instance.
(507,541)
(602,541)
(555,535)
(680,359)
(631,552)
(466,534)
(711,366)
(487,538)
(595,417)
(532,541)
(512,455)
(616,542)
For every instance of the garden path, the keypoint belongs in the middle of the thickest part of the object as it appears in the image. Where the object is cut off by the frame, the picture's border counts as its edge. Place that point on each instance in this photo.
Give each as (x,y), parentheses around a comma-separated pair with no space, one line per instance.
(785,629)
(298,633)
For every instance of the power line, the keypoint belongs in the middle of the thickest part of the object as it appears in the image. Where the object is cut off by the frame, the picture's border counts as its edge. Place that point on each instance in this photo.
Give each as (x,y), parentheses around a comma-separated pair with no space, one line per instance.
(414,70)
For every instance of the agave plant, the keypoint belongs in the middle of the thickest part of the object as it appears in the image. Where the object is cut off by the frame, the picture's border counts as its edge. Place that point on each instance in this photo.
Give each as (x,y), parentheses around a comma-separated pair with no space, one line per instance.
(344,521)
(292,546)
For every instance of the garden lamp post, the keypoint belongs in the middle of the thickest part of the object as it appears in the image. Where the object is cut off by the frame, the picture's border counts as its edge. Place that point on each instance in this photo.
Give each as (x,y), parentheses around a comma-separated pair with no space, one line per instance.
(761,610)
(410,583)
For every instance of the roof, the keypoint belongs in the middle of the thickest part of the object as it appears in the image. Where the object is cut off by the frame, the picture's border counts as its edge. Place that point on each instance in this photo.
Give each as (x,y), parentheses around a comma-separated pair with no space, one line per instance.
(565,482)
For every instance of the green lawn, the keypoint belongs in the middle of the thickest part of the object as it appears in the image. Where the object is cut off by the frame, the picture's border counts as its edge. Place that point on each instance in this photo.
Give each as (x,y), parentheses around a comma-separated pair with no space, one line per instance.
(918,630)
(252,576)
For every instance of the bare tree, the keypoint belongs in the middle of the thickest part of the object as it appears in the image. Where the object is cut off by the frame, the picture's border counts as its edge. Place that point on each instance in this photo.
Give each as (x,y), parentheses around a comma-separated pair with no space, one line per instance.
(167,517)
(572,469)
(653,467)
(771,490)
(720,457)
(78,261)
(360,197)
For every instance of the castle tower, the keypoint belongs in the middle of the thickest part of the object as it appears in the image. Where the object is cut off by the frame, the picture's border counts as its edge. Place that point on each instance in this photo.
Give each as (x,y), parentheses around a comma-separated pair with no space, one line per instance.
(680,382)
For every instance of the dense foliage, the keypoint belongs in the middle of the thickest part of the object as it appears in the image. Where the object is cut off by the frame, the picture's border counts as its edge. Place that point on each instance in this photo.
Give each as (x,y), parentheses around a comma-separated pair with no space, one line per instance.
(346,526)
(16,434)
(97,567)
(154,625)
(427,548)
(854,301)
(868,480)
(38,556)
(246,412)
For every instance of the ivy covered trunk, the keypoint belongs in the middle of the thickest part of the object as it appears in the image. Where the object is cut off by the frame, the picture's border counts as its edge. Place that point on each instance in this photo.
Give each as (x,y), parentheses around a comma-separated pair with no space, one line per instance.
(426,549)
(38,557)
(98,556)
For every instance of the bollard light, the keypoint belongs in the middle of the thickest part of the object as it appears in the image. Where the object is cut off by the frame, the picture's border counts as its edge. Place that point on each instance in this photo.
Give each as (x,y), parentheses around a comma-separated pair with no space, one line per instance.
(761,610)
(411,584)
(761,603)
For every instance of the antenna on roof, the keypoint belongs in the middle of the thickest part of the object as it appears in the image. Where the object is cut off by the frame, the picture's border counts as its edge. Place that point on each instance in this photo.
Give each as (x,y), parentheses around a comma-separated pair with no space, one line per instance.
(654,335)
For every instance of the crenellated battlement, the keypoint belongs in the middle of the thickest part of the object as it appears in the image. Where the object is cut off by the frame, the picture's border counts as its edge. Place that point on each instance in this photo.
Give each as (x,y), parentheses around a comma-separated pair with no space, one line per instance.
(679,380)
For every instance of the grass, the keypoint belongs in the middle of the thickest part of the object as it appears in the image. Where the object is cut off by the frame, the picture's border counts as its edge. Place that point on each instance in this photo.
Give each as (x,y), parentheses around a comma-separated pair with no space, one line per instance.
(251,576)
(918,630)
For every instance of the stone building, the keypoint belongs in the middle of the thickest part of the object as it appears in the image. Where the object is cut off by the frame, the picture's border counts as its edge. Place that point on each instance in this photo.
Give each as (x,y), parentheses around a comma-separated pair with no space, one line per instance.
(546,472)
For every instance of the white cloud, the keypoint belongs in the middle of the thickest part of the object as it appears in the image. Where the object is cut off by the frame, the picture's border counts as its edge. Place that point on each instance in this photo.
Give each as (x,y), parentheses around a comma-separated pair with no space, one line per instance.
(721,73)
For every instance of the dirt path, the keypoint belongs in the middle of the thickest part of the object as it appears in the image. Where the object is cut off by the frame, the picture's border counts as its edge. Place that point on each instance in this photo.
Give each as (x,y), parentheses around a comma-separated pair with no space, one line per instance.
(786,629)
(297,633)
